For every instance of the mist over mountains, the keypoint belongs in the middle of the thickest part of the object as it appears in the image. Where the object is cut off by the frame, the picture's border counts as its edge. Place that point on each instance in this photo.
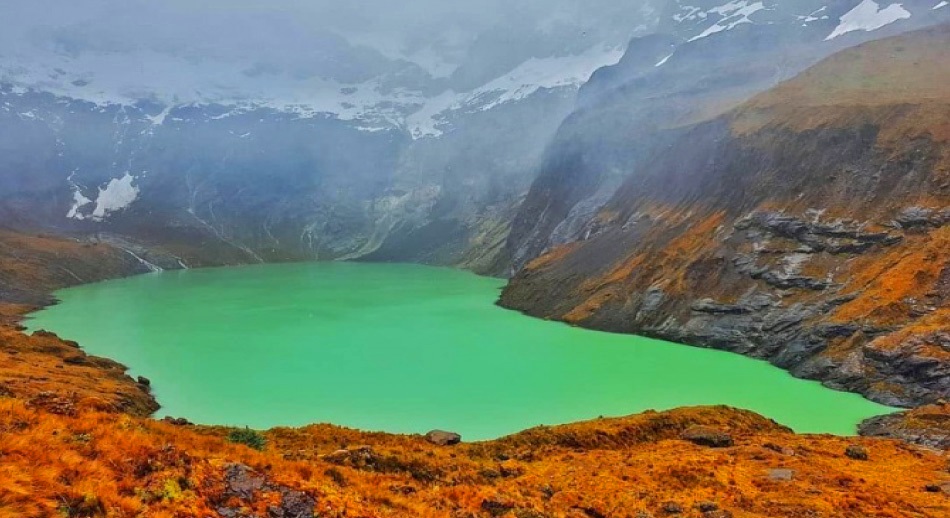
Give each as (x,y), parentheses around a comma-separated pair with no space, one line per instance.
(367,61)
(446,133)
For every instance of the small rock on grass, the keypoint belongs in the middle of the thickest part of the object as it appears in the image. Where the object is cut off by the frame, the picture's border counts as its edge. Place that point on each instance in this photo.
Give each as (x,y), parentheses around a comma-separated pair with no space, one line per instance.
(784,475)
(856,452)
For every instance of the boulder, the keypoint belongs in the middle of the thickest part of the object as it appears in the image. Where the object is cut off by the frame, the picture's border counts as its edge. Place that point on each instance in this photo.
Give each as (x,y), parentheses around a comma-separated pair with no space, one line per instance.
(443,438)
(242,481)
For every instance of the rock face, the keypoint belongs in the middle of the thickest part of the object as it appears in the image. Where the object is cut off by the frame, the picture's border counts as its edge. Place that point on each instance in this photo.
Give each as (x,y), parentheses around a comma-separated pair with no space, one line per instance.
(806,227)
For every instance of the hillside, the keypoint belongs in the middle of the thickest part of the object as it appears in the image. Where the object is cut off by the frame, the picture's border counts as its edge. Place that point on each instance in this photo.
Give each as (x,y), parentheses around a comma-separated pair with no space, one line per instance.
(808,227)
(705,59)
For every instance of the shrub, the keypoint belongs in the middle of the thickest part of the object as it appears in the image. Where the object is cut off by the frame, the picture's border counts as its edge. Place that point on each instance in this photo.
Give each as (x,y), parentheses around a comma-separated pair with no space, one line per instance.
(248,437)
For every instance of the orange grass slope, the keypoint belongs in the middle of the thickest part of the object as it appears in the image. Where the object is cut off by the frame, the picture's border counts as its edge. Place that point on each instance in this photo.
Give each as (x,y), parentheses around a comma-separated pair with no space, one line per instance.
(906,74)
(52,372)
(103,464)
(33,265)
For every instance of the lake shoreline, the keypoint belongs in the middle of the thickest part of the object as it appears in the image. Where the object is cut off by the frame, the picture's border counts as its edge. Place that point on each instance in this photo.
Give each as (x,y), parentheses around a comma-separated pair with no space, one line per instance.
(361,329)
(104,262)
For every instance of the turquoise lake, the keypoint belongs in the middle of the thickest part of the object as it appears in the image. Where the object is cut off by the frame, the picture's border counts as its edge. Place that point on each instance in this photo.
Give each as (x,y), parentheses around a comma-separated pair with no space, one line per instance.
(403,348)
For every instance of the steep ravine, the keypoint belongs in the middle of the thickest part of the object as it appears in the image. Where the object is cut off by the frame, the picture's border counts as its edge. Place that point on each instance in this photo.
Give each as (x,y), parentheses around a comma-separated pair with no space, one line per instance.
(809,227)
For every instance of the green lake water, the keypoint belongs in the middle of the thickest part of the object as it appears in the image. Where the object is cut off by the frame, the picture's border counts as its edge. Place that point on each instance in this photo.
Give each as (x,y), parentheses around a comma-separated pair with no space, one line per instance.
(403,348)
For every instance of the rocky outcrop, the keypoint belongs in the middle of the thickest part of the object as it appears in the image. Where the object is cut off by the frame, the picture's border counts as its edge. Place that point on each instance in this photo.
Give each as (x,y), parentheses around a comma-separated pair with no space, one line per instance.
(243,484)
(807,227)
(928,425)
(705,436)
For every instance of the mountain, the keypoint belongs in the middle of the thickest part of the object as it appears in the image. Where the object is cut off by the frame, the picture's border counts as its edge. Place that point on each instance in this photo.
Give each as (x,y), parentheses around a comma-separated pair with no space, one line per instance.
(704,58)
(808,226)
(324,133)
(298,132)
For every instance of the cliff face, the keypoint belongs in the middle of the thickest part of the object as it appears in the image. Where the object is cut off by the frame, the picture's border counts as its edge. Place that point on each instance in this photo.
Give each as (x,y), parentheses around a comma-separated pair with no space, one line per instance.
(704,60)
(809,227)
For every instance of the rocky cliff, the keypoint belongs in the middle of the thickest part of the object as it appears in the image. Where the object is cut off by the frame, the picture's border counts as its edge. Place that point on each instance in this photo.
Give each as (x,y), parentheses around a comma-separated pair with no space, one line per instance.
(704,59)
(810,227)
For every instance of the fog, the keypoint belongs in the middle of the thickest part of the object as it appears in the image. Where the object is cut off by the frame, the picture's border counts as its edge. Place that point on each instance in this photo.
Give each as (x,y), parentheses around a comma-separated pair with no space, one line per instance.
(350,42)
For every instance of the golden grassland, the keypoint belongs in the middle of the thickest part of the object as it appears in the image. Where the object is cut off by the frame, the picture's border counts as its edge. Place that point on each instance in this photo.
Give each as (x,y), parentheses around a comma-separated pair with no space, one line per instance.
(106,464)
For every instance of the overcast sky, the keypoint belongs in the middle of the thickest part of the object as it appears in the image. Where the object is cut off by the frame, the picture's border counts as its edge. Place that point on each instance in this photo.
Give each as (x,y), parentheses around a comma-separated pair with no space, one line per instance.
(294,49)
(266,28)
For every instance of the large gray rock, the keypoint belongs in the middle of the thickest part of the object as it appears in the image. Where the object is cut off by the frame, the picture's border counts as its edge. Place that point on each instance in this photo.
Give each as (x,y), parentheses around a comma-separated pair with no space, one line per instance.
(443,438)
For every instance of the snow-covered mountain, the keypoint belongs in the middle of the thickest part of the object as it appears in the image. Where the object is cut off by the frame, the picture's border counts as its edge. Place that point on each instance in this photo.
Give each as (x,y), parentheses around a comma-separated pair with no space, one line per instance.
(292,129)
(394,80)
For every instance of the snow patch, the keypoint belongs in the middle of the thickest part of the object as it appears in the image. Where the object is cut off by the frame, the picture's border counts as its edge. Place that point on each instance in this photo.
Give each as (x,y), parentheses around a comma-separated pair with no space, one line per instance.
(814,16)
(159,119)
(79,201)
(940,5)
(689,13)
(868,16)
(526,79)
(734,13)
(118,194)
